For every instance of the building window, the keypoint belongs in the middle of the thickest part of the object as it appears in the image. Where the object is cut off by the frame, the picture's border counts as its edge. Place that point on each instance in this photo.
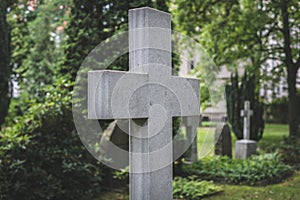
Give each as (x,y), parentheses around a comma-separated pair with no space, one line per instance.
(192,65)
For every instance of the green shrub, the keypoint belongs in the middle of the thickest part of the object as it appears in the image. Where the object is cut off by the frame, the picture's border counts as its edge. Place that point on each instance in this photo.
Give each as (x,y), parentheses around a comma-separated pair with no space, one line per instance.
(289,151)
(256,170)
(277,111)
(123,174)
(42,157)
(190,188)
(187,188)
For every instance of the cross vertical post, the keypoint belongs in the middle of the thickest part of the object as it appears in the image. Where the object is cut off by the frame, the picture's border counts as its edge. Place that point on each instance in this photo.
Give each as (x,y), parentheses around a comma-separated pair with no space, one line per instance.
(144,27)
(246,113)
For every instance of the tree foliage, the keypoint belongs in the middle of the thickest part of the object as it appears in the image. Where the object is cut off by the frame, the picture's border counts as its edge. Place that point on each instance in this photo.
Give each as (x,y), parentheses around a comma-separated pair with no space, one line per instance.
(5,69)
(87,29)
(256,31)
(37,45)
(41,155)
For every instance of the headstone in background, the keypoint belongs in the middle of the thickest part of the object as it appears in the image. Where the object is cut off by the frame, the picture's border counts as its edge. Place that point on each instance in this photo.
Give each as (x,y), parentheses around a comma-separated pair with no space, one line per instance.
(119,136)
(246,147)
(149,96)
(223,143)
(191,134)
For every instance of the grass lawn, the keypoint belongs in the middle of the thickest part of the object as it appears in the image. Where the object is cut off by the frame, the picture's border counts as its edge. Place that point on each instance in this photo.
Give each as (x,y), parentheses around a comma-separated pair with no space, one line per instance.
(205,139)
(273,134)
(288,190)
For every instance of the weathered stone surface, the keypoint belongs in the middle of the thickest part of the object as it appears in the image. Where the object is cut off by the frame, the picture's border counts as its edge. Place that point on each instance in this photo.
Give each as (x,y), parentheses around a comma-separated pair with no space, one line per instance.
(191,125)
(246,113)
(223,143)
(121,95)
(102,88)
(150,184)
(149,96)
(245,148)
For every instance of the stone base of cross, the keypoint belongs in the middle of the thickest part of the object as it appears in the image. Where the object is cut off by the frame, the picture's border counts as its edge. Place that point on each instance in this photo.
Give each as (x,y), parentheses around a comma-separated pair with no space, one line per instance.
(149,96)
(246,147)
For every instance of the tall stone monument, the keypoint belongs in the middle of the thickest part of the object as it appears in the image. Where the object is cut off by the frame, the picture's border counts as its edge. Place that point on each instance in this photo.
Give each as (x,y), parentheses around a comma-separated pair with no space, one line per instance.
(149,96)
(191,125)
(246,147)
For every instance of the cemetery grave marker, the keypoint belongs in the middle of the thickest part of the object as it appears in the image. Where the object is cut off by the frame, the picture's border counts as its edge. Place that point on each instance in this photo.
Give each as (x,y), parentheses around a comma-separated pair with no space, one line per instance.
(190,124)
(223,145)
(149,96)
(246,147)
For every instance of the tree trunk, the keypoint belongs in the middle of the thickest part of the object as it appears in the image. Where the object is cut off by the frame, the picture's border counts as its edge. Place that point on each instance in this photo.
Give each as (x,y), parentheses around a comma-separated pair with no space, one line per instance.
(5,70)
(293,104)
(292,69)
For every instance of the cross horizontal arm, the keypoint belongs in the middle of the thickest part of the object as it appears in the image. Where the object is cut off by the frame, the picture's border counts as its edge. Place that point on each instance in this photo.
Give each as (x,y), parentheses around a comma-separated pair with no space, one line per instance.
(188,93)
(106,87)
(125,95)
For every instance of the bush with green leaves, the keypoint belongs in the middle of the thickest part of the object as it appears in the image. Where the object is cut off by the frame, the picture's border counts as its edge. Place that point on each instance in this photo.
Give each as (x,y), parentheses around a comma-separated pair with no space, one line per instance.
(289,151)
(42,157)
(191,188)
(277,110)
(256,170)
(122,174)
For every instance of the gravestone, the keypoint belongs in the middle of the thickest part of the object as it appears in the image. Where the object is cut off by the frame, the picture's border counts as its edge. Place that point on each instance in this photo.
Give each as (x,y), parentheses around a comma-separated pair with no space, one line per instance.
(191,125)
(116,132)
(149,96)
(246,147)
(223,144)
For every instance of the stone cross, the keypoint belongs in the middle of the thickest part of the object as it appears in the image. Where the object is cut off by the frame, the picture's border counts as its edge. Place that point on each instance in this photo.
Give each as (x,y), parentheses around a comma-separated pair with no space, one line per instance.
(149,96)
(246,147)
(246,113)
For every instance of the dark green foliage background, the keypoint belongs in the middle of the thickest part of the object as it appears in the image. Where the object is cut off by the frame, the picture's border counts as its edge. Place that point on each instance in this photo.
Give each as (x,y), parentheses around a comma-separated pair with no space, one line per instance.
(41,155)
(5,68)
(43,158)
(236,94)
(277,110)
